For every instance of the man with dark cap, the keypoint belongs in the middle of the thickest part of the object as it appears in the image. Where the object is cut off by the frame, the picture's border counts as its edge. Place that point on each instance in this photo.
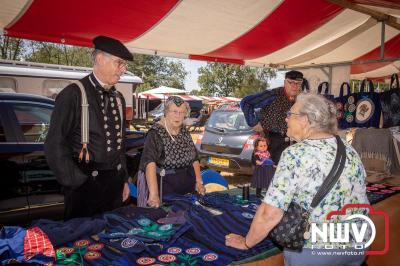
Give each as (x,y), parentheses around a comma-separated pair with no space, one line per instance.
(274,105)
(85,145)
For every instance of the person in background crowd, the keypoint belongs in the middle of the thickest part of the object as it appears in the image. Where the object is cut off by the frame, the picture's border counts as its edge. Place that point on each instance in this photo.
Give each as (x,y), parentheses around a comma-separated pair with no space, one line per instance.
(274,104)
(93,174)
(263,166)
(169,164)
(301,171)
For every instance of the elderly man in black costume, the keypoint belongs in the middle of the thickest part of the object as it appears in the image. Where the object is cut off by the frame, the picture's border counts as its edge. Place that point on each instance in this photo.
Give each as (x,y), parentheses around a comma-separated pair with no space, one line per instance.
(85,142)
(274,104)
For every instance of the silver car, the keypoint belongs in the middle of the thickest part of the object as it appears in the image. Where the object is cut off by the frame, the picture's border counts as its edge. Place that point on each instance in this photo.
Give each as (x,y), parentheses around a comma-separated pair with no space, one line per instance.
(227,142)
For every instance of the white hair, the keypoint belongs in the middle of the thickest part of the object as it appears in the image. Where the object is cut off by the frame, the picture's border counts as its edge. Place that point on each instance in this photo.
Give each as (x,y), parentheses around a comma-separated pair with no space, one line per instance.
(321,112)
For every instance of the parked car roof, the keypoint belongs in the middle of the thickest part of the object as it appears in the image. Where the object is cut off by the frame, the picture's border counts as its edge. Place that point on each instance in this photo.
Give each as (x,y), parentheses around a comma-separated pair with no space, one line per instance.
(24,96)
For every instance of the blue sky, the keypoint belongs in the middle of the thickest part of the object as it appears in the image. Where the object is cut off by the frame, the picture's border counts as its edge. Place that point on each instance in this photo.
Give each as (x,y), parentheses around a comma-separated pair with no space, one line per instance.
(192,66)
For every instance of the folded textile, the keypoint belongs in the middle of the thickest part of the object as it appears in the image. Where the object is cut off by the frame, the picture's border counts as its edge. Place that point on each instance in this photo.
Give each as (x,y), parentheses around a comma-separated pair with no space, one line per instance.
(25,246)
(61,233)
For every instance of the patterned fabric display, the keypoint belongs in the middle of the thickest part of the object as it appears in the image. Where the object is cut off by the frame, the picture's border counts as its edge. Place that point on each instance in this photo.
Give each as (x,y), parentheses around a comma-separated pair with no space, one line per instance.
(368,107)
(223,218)
(390,101)
(20,245)
(379,192)
(345,106)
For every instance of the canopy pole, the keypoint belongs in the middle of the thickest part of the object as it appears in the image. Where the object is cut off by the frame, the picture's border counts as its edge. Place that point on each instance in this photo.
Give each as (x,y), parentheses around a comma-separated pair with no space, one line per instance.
(382,40)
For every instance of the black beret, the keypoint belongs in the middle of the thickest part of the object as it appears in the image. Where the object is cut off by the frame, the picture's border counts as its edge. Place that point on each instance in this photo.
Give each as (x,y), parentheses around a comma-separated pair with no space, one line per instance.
(293,74)
(112,46)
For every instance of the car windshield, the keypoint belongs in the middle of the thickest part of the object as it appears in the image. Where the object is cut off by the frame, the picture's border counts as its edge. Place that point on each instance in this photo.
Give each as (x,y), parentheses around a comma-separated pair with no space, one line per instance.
(228,121)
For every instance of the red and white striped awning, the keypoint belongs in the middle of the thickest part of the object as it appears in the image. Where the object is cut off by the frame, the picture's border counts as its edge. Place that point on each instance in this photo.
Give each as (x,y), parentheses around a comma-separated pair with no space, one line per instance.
(288,33)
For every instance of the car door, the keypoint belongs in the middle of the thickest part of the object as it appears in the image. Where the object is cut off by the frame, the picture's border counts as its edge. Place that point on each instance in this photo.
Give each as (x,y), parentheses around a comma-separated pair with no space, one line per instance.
(14,205)
(44,193)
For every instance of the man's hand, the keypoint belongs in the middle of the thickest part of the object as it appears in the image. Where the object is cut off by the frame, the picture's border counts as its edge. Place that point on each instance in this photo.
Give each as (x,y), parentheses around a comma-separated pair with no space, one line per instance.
(125,192)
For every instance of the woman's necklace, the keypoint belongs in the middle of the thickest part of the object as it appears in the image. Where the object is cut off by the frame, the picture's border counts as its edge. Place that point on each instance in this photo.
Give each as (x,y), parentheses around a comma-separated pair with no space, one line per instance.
(166,127)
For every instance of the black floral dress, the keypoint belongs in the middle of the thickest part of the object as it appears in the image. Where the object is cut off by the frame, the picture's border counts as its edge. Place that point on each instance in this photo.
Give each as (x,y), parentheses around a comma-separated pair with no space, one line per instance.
(174,157)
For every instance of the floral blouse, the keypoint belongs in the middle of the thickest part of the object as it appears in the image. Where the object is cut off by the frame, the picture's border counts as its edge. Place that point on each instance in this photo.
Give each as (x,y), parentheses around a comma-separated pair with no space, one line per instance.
(301,171)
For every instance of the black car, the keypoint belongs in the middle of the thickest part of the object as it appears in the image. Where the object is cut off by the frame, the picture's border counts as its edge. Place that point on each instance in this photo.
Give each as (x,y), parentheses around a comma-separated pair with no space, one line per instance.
(28,188)
(227,141)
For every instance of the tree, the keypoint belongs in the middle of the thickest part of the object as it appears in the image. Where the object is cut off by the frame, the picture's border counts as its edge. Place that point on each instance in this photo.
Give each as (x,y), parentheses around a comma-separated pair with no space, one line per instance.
(60,54)
(233,80)
(157,71)
(11,48)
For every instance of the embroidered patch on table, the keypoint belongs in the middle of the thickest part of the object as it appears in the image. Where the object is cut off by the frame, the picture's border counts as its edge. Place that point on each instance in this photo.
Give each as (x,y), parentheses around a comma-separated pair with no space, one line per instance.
(379,192)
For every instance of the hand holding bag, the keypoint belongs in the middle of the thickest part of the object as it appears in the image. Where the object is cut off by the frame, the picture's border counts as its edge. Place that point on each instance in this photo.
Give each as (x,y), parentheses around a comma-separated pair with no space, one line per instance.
(292,230)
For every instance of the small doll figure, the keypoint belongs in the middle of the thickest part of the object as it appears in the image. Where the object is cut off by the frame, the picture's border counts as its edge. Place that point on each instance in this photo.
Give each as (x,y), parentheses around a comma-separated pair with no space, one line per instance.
(264,167)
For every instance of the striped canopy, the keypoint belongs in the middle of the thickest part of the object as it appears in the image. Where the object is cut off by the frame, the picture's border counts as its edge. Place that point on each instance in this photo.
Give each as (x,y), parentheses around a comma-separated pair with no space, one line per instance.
(280,33)
(156,96)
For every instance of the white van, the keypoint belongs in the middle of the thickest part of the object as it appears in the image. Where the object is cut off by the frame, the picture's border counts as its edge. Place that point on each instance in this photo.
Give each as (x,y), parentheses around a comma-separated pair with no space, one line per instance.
(48,80)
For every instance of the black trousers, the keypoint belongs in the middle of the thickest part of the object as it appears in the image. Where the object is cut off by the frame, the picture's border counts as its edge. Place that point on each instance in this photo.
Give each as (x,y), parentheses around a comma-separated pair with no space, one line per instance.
(98,194)
(277,145)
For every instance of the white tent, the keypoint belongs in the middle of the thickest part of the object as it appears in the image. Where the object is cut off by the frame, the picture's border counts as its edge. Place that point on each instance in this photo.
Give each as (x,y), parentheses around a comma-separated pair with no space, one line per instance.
(165,90)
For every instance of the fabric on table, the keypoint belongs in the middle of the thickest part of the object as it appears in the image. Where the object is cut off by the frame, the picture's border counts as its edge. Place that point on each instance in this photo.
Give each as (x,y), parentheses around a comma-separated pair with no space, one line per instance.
(379,192)
(61,233)
(228,214)
(364,142)
(25,246)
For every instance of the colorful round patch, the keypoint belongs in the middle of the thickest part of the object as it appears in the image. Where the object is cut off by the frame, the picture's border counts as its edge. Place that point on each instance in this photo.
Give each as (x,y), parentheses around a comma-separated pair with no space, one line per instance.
(135,231)
(395,188)
(210,257)
(339,106)
(174,250)
(96,247)
(247,215)
(349,118)
(81,243)
(352,107)
(144,222)
(166,258)
(145,260)
(193,251)
(128,242)
(364,111)
(165,227)
(92,255)
(66,251)
(350,100)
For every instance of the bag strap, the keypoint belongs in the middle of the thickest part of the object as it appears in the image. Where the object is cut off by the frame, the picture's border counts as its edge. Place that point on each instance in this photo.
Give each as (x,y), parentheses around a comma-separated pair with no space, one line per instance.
(394,82)
(333,175)
(322,85)
(305,87)
(364,84)
(84,124)
(347,85)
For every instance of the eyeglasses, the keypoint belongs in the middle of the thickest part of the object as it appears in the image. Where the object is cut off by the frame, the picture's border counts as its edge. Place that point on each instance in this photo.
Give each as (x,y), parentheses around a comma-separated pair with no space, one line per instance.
(294,82)
(120,63)
(178,113)
(289,114)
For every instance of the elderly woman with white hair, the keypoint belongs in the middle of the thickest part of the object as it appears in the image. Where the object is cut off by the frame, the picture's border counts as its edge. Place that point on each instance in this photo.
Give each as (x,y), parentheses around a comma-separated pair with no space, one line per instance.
(301,171)
(169,163)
